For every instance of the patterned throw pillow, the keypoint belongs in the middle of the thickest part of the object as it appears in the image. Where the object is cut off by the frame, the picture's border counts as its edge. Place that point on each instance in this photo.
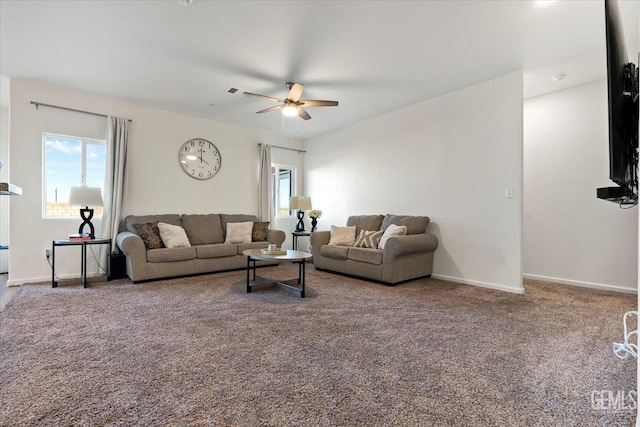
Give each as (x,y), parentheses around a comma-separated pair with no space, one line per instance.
(149,233)
(259,232)
(368,239)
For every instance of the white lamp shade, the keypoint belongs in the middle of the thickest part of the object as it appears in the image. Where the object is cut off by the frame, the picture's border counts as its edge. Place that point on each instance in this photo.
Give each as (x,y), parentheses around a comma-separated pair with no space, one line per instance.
(85,196)
(300,203)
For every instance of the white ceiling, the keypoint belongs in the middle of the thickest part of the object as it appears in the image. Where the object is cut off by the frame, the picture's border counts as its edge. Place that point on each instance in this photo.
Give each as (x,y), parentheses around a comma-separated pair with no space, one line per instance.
(373,57)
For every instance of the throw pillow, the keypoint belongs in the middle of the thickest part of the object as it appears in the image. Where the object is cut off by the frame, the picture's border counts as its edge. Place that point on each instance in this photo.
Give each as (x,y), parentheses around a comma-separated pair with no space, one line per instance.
(173,236)
(149,233)
(368,239)
(259,232)
(342,236)
(392,231)
(239,232)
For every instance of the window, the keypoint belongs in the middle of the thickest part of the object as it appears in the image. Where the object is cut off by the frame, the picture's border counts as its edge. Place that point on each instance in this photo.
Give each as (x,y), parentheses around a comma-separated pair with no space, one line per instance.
(284,185)
(70,161)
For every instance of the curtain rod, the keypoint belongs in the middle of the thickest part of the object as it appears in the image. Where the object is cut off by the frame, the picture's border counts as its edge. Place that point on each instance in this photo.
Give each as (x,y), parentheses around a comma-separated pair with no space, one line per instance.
(38,104)
(285,148)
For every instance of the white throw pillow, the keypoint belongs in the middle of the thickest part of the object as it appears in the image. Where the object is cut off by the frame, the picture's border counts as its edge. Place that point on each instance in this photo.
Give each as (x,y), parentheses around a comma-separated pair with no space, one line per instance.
(342,236)
(239,232)
(173,236)
(392,231)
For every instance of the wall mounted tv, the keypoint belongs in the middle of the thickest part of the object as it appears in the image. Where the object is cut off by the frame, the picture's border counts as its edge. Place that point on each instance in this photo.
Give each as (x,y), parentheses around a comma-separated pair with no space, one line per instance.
(622,83)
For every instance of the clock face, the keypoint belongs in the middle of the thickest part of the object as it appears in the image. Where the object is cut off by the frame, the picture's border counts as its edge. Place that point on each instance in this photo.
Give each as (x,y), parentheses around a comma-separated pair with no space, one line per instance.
(199,158)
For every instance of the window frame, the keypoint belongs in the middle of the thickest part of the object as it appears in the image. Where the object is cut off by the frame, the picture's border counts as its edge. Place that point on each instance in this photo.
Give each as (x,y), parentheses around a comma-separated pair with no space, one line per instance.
(276,168)
(85,141)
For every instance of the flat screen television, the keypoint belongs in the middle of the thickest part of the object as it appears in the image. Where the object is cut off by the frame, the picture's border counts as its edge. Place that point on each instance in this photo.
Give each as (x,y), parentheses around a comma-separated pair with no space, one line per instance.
(622,85)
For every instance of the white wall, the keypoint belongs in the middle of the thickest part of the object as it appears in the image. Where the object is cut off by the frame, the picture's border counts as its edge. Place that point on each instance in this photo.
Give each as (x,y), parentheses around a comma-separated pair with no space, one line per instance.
(570,236)
(156,183)
(450,158)
(4,177)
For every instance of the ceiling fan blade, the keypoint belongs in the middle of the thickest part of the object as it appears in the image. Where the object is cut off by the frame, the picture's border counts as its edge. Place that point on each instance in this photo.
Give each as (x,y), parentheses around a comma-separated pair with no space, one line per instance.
(303,113)
(270,98)
(295,92)
(266,110)
(318,103)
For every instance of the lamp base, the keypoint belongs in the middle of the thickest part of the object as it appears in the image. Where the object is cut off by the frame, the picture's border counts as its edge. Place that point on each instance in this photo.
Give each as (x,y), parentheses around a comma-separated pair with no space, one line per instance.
(300,224)
(86,214)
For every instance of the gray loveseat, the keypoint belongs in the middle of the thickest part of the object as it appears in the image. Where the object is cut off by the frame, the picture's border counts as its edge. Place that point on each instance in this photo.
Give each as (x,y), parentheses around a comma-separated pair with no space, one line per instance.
(403,257)
(208,252)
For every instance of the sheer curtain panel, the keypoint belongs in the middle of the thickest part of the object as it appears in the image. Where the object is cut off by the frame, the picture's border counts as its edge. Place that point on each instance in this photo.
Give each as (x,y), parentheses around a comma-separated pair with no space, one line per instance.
(264,184)
(115,177)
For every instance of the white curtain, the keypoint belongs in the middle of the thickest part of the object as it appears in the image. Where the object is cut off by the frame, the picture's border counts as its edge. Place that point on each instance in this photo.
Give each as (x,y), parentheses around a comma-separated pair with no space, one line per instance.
(264,184)
(114,180)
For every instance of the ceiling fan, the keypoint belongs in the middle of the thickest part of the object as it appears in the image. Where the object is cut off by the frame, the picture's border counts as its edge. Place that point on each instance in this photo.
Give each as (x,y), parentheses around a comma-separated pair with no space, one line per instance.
(292,104)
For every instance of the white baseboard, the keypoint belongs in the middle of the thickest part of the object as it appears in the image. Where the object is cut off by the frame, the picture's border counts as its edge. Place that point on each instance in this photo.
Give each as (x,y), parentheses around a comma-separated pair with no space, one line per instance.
(18,282)
(479,283)
(580,283)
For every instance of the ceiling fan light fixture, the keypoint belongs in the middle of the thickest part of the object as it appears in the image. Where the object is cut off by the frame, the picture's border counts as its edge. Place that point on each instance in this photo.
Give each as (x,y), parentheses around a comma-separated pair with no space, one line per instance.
(290,111)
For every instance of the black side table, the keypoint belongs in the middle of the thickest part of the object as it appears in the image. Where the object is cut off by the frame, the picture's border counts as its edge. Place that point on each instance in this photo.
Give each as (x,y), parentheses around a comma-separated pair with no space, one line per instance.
(83,260)
(297,234)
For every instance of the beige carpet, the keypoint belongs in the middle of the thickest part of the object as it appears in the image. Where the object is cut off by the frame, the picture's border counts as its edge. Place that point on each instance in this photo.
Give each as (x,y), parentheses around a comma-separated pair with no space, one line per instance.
(200,351)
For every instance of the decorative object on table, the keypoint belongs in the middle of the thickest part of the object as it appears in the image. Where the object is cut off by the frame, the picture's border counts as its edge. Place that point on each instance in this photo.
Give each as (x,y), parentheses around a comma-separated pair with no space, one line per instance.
(276,251)
(199,158)
(79,237)
(301,203)
(86,196)
(314,214)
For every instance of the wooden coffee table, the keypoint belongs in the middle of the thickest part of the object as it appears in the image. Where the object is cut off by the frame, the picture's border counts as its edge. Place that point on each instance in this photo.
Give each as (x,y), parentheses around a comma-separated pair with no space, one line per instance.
(294,285)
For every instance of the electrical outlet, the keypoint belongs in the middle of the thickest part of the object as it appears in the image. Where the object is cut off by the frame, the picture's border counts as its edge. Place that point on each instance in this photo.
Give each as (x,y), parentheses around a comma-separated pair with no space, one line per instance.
(509,193)
(47,253)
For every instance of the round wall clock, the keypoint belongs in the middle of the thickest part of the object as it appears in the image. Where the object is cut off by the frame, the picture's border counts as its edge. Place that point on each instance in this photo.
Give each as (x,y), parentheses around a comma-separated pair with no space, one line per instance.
(199,158)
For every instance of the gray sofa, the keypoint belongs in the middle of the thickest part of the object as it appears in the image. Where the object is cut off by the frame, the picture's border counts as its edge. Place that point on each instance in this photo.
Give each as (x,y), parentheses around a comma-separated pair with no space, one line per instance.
(403,258)
(208,252)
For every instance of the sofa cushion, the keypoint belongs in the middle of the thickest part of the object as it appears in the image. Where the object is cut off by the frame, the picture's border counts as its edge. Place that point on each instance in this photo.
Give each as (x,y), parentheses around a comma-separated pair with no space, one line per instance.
(238,232)
(149,233)
(342,236)
(173,236)
(414,224)
(370,256)
(216,250)
(334,251)
(368,239)
(365,222)
(203,229)
(141,219)
(392,231)
(171,254)
(259,232)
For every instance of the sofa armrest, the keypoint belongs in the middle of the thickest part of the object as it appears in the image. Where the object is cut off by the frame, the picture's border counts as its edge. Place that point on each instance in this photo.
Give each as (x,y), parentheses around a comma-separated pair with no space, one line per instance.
(276,237)
(317,239)
(132,246)
(411,244)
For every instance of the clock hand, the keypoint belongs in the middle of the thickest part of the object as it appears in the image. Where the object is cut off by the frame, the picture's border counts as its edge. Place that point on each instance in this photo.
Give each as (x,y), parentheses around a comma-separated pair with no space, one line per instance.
(203,160)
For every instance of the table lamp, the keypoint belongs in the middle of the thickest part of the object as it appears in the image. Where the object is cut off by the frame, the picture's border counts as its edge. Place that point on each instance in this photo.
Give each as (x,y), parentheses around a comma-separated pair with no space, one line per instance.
(86,196)
(301,203)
